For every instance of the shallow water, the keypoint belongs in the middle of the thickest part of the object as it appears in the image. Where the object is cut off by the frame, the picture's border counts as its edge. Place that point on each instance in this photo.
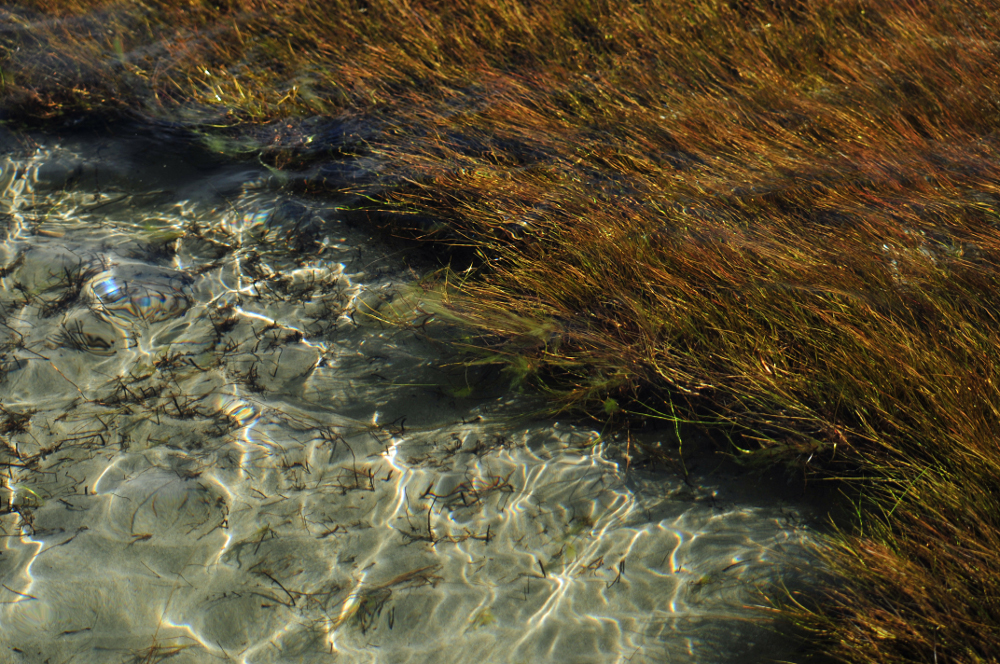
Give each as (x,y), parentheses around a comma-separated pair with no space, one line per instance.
(215,451)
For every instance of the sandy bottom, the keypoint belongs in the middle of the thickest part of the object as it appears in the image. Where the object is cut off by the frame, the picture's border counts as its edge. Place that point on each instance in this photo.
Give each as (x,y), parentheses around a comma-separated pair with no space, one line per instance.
(213,451)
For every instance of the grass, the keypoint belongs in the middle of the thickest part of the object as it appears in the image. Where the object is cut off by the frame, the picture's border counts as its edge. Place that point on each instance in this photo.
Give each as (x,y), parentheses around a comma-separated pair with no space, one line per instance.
(779,219)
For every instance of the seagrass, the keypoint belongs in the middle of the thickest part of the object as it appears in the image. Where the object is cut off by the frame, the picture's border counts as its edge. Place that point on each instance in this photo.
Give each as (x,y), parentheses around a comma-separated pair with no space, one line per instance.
(774,219)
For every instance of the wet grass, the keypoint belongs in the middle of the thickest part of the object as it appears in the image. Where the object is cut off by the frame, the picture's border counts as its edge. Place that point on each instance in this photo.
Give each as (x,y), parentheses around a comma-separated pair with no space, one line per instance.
(777,220)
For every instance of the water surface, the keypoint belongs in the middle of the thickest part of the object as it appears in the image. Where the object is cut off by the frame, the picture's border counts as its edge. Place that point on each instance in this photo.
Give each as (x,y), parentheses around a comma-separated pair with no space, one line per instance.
(215,451)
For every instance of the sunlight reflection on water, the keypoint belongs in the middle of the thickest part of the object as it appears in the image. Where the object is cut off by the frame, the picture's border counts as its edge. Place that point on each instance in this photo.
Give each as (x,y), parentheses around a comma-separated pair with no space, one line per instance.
(245,468)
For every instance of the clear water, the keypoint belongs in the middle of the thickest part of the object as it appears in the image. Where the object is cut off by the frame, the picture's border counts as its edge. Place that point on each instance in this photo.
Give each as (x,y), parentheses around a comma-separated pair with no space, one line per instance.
(214,451)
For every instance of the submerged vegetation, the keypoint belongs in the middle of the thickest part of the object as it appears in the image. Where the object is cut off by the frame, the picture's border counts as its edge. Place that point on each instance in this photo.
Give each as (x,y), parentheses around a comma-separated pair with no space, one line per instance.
(778,219)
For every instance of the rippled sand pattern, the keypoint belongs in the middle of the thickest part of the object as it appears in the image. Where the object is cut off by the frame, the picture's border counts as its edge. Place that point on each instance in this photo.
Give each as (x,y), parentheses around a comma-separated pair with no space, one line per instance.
(213,451)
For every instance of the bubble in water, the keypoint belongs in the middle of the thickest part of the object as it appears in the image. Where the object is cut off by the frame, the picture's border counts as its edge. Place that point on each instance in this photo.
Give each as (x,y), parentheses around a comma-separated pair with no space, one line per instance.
(241,412)
(139,300)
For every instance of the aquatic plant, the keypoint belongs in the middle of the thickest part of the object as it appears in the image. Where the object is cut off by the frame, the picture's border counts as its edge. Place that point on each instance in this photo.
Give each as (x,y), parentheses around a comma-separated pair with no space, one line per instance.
(777,219)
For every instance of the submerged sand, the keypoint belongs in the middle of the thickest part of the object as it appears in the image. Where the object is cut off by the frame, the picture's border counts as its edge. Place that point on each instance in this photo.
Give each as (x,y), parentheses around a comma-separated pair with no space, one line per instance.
(214,451)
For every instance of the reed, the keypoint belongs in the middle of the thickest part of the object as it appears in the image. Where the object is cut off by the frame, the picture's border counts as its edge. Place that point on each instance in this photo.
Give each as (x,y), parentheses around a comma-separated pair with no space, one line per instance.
(777,219)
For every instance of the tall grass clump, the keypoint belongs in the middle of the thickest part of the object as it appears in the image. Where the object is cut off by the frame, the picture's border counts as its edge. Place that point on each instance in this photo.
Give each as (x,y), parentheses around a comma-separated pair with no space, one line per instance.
(780,218)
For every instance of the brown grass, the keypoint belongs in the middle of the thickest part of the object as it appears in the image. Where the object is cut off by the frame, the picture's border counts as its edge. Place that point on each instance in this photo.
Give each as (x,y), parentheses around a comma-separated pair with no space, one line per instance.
(779,217)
